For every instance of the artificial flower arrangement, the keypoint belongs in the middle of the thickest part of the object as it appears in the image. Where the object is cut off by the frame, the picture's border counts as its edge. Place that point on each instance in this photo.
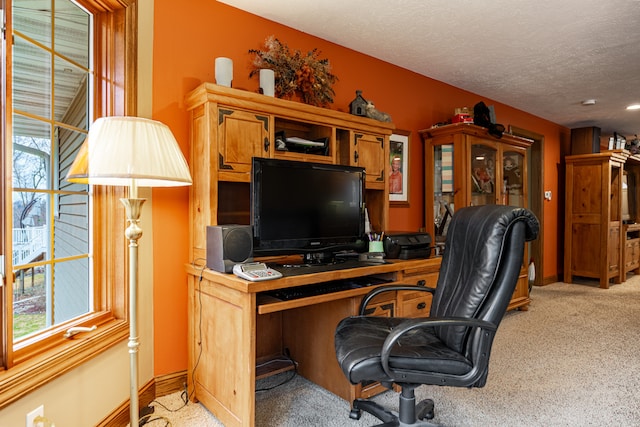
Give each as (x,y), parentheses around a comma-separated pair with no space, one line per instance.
(305,75)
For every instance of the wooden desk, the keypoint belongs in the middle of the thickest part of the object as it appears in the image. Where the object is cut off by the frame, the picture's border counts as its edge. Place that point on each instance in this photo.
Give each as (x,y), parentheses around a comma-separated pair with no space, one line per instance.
(232,326)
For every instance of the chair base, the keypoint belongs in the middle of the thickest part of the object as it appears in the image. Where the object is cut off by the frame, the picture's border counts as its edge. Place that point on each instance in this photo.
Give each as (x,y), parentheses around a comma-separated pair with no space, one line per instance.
(410,414)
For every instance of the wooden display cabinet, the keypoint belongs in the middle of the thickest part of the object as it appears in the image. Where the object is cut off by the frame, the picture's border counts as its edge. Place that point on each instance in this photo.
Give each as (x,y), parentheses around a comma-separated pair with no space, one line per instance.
(465,166)
(585,140)
(593,218)
(602,219)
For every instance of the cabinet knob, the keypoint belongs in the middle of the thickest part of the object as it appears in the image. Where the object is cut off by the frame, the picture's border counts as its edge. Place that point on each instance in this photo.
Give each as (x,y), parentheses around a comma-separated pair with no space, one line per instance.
(266,145)
(355,156)
(421,282)
(421,306)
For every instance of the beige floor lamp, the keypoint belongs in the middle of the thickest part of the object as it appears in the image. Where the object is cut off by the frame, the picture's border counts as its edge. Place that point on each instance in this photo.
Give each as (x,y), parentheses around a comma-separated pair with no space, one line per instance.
(133,152)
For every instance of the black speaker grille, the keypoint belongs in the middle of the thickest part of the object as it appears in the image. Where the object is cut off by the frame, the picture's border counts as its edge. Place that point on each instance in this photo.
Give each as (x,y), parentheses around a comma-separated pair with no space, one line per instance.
(238,244)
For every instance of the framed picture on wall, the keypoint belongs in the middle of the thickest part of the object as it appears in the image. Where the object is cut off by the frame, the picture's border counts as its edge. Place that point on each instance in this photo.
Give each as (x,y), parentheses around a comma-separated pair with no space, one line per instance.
(399,167)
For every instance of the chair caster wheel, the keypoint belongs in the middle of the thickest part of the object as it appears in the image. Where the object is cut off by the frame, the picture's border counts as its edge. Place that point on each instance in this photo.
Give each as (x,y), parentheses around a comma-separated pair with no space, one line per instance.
(429,415)
(425,410)
(355,414)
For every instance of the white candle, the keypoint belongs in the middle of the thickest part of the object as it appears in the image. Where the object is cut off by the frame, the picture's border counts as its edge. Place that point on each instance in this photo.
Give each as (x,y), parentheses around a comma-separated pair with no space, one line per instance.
(267,82)
(224,71)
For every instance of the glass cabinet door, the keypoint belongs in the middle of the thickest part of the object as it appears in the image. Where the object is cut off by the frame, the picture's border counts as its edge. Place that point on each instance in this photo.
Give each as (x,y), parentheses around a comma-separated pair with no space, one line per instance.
(513,178)
(483,175)
(443,190)
(496,175)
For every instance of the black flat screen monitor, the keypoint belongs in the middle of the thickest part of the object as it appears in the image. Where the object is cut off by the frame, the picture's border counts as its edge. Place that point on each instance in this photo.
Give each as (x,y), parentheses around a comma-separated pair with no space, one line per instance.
(309,209)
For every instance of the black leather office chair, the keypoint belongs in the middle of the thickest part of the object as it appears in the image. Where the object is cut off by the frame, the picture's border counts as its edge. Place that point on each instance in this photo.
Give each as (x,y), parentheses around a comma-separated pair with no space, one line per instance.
(478,274)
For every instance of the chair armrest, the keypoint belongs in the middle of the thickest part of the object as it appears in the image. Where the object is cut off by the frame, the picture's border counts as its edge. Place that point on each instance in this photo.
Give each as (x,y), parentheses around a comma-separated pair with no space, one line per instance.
(381,289)
(411,324)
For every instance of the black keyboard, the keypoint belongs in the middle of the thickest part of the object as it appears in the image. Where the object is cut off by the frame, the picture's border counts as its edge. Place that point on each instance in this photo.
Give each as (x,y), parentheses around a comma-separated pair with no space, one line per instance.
(325,288)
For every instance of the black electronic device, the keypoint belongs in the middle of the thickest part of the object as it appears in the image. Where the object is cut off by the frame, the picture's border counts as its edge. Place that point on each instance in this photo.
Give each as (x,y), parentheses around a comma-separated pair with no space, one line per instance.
(228,245)
(305,208)
(407,245)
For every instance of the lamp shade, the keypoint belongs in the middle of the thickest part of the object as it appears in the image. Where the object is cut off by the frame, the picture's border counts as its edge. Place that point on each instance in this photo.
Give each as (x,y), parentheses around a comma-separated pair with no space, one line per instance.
(130,151)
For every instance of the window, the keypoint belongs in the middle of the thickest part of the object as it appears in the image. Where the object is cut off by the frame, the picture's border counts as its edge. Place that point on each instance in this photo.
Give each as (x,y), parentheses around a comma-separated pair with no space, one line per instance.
(51,94)
(69,61)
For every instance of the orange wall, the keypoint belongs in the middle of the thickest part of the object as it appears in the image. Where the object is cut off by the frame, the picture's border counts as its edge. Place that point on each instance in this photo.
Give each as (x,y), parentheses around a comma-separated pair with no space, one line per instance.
(186,41)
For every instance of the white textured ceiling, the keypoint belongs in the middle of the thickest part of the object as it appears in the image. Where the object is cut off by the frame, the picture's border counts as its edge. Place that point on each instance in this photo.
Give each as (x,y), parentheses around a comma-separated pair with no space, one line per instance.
(541,56)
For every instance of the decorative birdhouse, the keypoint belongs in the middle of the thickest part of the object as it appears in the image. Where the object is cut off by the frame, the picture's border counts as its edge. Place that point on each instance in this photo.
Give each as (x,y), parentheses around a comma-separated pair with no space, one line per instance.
(358,106)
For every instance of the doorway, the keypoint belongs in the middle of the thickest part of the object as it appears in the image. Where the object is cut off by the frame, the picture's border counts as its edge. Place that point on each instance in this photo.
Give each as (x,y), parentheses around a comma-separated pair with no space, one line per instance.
(535,167)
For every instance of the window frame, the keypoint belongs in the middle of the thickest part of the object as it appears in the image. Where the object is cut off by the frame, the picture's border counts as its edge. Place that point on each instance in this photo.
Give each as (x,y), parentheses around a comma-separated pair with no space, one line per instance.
(115,67)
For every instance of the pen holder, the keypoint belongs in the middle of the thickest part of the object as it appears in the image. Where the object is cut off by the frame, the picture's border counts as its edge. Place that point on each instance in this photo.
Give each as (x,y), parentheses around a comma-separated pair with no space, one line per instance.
(375,254)
(376,246)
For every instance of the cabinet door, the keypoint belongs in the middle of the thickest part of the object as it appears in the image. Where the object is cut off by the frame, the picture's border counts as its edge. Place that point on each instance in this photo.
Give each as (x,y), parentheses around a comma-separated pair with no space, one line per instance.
(241,136)
(613,249)
(483,174)
(634,254)
(368,152)
(513,177)
(444,192)
(630,254)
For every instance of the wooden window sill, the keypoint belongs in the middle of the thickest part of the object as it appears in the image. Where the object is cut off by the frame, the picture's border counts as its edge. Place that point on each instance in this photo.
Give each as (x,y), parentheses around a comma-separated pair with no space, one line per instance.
(27,376)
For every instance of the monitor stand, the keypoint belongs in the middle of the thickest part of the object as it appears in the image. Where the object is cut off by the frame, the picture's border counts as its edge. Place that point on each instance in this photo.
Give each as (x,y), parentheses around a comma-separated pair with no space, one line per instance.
(315,259)
(319,258)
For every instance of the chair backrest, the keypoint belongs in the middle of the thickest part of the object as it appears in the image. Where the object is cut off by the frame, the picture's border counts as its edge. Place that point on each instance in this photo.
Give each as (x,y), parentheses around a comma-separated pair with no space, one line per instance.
(480,267)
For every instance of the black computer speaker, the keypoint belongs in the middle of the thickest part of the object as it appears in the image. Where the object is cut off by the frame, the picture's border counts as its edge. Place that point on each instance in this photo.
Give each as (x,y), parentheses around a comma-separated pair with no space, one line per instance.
(228,245)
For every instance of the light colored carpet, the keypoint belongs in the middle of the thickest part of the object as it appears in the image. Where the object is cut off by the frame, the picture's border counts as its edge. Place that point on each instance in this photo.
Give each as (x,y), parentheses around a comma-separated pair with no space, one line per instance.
(573,359)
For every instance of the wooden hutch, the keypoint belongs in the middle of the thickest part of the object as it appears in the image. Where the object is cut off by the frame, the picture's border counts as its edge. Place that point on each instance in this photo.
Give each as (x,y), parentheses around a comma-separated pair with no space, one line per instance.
(602,223)
(236,332)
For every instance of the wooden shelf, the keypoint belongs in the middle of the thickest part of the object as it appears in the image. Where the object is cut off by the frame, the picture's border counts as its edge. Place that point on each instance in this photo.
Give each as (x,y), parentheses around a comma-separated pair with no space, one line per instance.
(272,367)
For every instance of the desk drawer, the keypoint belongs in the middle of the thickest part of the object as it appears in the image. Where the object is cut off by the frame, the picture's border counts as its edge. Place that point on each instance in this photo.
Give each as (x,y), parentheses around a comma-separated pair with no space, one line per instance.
(425,279)
(417,305)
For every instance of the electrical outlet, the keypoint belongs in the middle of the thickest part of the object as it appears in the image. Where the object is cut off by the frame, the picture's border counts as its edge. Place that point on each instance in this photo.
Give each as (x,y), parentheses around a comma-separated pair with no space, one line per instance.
(31,416)
(547,195)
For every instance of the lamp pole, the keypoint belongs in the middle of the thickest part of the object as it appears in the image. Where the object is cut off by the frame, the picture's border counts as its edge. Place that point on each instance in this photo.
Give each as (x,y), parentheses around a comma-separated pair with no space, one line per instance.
(133,206)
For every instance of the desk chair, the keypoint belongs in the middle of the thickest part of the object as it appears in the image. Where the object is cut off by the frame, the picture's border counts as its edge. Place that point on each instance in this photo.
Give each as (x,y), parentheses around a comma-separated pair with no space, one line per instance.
(480,267)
